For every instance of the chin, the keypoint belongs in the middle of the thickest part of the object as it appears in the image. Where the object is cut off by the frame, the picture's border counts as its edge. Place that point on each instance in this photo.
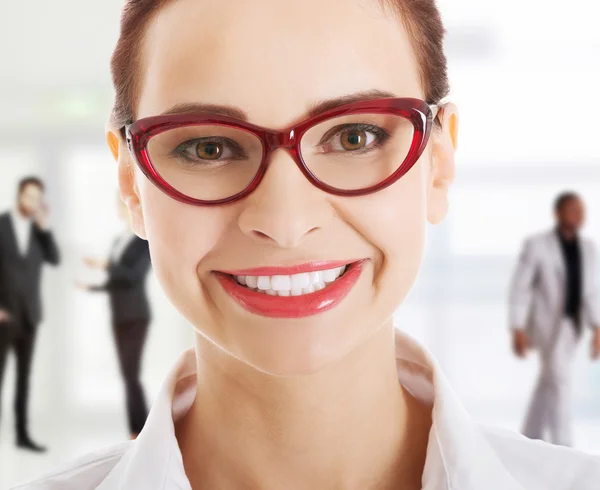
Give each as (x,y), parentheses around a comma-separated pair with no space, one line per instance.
(296,348)
(298,364)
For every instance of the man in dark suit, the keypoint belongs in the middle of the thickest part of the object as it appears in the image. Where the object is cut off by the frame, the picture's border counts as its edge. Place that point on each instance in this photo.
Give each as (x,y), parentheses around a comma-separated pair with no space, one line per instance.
(26,243)
(127,269)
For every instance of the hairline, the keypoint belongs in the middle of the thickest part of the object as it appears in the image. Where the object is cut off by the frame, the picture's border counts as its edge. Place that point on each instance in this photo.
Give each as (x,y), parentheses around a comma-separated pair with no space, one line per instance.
(140,44)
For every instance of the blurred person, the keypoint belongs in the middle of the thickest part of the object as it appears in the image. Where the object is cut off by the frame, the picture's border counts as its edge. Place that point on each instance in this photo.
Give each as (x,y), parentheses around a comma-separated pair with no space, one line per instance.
(26,242)
(554,294)
(127,269)
(289,250)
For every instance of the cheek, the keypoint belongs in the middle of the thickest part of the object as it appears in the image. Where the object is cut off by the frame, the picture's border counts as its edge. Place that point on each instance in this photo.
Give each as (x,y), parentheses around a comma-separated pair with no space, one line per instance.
(180,236)
(394,219)
(394,222)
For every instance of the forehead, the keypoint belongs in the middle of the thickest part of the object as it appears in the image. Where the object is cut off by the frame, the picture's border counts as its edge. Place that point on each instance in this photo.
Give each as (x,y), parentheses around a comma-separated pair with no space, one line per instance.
(571,204)
(273,59)
(574,202)
(32,190)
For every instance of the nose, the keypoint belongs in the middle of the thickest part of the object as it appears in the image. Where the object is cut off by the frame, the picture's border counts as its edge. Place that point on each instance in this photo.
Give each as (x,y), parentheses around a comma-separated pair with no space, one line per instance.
(286,207)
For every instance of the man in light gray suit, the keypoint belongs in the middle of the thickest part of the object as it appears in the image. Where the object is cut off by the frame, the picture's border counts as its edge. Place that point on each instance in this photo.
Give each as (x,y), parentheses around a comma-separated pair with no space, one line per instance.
(554,294)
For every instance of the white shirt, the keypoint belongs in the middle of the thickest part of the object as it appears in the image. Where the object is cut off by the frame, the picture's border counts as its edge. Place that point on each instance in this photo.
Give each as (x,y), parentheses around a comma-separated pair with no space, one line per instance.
(461,455)
(22,229)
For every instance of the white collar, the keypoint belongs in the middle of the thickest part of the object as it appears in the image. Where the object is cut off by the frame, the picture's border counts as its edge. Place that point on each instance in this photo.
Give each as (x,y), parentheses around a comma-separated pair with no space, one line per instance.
(459,457)
(19,218)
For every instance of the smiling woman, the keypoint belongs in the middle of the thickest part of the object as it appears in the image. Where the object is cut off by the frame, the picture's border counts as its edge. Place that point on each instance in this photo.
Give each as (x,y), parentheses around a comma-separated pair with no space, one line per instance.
(282,159)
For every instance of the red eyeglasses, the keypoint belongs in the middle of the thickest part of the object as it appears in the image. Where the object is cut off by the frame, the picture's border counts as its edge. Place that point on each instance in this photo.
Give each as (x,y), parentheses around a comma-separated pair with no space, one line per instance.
(352,150)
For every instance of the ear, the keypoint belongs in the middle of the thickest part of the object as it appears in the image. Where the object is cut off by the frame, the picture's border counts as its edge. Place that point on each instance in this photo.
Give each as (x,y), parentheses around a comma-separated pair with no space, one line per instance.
(113,143)
(128,188)
(442,172)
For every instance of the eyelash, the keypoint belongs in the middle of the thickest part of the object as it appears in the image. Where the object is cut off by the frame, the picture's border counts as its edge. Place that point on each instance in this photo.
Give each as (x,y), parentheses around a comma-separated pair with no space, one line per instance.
(381,134)
(180,150)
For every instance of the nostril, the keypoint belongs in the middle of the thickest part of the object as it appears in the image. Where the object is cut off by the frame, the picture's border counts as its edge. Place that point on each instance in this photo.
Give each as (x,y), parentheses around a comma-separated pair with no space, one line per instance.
(261,235)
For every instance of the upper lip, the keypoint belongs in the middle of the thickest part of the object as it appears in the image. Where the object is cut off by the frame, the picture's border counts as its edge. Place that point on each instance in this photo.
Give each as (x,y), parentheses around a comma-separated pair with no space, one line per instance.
(317,265)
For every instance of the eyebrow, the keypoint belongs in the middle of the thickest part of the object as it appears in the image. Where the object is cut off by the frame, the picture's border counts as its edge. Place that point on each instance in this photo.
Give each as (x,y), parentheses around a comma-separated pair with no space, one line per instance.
(327,105)
(216,109)
(314,110)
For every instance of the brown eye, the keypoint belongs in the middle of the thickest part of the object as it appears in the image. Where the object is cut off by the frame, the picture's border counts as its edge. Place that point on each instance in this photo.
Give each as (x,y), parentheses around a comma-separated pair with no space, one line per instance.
(353,140)
(209,151)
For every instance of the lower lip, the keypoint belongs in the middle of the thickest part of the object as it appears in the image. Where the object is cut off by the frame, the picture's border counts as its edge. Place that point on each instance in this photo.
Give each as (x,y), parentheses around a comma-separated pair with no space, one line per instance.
(293,306)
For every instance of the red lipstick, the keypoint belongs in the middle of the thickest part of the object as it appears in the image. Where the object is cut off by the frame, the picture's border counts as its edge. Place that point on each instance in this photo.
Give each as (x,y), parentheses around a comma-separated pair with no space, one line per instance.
(292,306)
(288,271)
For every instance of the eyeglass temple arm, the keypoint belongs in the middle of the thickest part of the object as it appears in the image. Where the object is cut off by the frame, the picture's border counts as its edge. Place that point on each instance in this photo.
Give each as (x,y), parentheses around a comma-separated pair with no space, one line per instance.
(436,109)
(123,130)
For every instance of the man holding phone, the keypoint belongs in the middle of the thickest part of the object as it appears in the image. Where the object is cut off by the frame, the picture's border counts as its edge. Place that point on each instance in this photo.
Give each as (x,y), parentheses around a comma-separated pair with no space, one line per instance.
(26,242)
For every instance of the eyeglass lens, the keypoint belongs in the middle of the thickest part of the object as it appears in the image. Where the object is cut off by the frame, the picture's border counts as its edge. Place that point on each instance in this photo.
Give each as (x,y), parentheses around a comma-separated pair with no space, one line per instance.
(351,152)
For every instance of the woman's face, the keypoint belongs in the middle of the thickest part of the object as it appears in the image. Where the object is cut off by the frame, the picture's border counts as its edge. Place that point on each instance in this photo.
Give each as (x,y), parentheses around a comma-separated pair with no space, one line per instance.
(274,61)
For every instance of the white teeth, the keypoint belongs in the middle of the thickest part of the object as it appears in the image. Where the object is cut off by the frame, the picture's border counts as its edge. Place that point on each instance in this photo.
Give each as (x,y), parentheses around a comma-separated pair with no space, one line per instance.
(293,285)
(281,283)
(264,283)
(330,275)
(300,281)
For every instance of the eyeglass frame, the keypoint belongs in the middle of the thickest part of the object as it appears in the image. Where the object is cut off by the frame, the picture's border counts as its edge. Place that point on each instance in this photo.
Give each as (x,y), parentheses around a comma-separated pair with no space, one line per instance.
(421,114)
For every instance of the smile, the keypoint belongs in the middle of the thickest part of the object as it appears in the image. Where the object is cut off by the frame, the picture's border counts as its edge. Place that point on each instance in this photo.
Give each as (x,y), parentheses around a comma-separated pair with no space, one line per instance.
(292,292)
(291,285)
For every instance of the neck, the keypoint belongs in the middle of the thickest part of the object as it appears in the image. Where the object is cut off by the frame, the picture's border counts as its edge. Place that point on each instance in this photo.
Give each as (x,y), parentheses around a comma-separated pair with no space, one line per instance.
(567,232)
(22,213)
(350,426)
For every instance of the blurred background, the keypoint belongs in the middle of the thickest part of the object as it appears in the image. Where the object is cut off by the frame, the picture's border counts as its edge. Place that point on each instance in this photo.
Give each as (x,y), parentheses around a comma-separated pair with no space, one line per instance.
(525,75)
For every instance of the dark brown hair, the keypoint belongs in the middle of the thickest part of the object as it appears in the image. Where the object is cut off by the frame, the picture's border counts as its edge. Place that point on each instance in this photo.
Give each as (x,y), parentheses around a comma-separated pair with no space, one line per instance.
(563,198)
(420,17)
(31,180)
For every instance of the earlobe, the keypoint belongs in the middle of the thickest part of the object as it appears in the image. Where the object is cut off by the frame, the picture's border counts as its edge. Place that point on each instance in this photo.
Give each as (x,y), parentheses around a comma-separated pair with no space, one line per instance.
(443,164)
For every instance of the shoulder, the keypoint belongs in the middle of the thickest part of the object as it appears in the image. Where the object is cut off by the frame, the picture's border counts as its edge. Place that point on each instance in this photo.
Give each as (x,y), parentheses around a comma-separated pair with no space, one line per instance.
(540,238)
(140,243)
(539,244)
(5,222)
(540,466)
(84,474)
(534,245)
